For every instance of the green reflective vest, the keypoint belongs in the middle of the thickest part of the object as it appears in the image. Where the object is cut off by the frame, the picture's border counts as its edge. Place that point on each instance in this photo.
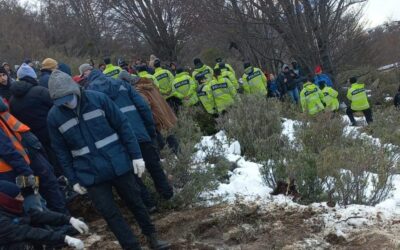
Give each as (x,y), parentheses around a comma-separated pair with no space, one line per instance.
(254,82)
(206,70)
(206,98)
(311,99)
(228,68)
(231,76)
(112,71)
(165,79)
(358,97)
(184,88)
(223,92)
(145,74)
(330,98)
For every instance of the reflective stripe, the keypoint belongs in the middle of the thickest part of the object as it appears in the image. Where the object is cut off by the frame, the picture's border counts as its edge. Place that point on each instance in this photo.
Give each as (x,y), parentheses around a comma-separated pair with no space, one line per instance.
(122,88)
(106,141)
(93,114)
(80,152)
(67,125)
(128,108)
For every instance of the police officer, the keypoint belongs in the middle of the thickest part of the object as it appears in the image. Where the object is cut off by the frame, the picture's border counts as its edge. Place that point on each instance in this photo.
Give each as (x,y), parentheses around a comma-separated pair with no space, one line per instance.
(359,101)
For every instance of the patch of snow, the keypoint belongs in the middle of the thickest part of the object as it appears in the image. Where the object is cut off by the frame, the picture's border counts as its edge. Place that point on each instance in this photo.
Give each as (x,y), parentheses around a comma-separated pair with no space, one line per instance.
(388,99)
(288,128)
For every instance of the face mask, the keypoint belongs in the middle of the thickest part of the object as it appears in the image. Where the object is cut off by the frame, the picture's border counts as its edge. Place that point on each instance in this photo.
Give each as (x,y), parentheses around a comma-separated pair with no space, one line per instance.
(73,103)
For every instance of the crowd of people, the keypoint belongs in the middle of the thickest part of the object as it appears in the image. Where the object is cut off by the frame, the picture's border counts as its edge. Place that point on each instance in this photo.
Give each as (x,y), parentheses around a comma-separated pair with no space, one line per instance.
(101,129)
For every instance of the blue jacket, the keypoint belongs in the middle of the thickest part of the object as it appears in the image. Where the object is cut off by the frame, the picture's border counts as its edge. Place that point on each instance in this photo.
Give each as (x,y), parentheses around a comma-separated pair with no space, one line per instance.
(129,101)
(13,158)
(323,77)
(93,143)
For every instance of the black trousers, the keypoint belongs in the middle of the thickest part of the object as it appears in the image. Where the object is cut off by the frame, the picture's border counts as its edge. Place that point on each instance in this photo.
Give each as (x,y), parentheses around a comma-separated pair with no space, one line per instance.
(152,159)
(367,114)
(103,199)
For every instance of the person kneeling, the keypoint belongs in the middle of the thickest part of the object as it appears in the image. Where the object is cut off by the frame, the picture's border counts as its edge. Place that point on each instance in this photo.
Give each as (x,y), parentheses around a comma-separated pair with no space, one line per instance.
(20,229)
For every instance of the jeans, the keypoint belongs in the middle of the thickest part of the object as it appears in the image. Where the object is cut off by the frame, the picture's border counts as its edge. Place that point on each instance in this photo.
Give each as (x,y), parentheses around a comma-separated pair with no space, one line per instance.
(367,114)
(103,199)
(153,165)
(294,95)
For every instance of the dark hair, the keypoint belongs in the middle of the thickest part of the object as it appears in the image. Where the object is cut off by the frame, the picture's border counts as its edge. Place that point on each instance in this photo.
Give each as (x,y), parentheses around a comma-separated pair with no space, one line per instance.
(246,65)
(179,70)
(322,84)
(157,63)
(107,60)
(353,79)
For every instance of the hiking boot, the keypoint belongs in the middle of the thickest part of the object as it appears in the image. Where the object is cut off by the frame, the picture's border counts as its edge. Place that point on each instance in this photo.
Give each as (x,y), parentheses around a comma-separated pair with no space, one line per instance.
(157,244)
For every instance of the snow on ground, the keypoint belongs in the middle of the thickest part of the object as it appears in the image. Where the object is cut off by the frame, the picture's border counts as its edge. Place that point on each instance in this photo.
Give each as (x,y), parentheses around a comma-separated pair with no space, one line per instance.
(247,183)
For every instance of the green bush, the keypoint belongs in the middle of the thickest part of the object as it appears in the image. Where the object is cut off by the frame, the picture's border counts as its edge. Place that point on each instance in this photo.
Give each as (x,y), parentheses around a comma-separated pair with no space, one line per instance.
(386,125)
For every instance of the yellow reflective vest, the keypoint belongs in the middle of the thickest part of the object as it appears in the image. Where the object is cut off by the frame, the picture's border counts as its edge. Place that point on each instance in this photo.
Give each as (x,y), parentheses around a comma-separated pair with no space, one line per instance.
(165,79)
(358,97)
(112,71)
(330,98)
(311,99)
(223,92)
(254,82)
(184,88)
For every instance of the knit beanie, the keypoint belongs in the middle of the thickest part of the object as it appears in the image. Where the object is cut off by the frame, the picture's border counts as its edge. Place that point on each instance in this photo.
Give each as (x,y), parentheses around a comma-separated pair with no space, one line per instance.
(10,189)
(49,64)
(2,70)
(26,70)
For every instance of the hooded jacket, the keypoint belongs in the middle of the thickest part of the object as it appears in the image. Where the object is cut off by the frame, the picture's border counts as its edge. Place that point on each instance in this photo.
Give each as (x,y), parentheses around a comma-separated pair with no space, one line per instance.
(94,142)
(17,228)
(129,101)
(30,103)
(44,78)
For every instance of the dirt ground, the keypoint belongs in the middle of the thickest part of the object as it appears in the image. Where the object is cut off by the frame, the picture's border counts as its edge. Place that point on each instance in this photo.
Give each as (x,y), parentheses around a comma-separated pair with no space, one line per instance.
(247,227)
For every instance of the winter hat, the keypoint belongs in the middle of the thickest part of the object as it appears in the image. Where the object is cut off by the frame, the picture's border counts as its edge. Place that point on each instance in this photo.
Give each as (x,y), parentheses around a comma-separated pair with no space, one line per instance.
(107,60)
(65,68)
(353,79)
(179,70)
(318,69)
(84,67)
(141,68)
(3,71)
(4,64)
(10,189)
(49,63)
(62,87)
(26,70)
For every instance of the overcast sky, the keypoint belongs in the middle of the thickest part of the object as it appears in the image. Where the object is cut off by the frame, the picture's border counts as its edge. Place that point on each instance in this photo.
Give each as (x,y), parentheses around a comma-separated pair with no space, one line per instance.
(380,11)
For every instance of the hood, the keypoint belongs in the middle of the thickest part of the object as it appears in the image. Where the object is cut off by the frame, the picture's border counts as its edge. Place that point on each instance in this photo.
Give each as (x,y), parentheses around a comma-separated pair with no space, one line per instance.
(309,85)
(99,82)
(248,70)
(21,88)
(285,66)
(61,84)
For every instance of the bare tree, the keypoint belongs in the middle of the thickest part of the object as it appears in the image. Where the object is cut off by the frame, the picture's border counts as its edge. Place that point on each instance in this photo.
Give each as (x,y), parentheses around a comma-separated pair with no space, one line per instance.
(164,24)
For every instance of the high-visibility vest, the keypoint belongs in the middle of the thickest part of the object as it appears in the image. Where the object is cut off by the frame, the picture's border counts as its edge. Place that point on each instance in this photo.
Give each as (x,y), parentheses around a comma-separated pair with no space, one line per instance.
(12,128)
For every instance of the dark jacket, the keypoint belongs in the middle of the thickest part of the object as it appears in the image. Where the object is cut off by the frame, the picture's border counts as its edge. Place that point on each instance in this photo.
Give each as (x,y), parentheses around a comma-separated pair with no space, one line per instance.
(396,100)
(30,104)
(95,142)
(129,101)
(5,91)
(65,68)
(18,228)
(13,158)
(44,78)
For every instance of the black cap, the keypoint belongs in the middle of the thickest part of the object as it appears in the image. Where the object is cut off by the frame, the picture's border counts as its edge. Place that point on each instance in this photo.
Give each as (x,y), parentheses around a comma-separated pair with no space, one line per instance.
(179,70)
(121,62)
(157,63)
(107,60)
(353,79)
(246,65)
(141,68)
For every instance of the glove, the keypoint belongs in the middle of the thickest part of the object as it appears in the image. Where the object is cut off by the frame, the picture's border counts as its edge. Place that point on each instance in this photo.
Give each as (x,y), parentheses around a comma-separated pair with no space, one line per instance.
(74,242)
(79,189)
(138,167)
(80,226)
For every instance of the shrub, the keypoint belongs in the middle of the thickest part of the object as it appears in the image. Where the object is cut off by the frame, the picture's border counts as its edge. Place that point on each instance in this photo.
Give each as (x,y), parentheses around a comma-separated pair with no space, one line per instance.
(256,123)
(386,125)
(192,176)
(356,170)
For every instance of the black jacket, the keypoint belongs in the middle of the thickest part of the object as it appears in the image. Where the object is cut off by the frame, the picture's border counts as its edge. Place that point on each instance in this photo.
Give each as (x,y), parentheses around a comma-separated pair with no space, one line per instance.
(15,229)
(5,90)
(30,104)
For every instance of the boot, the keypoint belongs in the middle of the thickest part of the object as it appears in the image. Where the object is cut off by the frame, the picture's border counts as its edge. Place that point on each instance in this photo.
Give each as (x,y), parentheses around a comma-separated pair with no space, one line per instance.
(157,244)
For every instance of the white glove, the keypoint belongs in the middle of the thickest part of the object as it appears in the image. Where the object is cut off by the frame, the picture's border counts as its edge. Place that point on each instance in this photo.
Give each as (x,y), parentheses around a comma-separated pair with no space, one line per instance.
(80,226)
(138,167)
(74,242)
(79,189)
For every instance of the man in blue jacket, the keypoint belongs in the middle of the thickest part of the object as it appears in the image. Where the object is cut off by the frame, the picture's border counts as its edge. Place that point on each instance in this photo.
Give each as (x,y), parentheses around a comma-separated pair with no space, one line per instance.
(98,150)
(141,120)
